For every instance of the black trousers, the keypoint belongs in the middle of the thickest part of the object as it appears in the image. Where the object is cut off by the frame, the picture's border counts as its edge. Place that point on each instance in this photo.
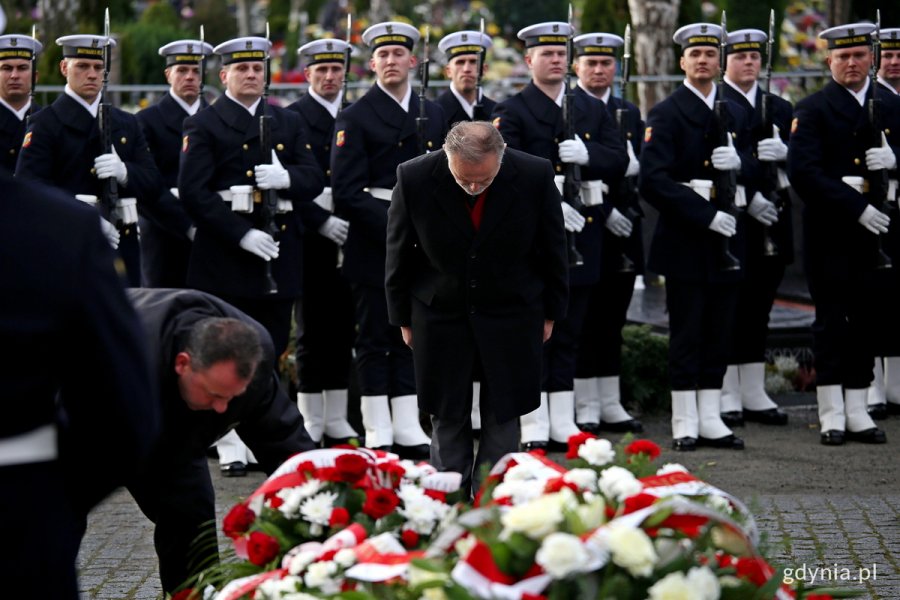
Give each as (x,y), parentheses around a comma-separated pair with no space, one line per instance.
(384,364)
(701,315)
(756,293)
(561,349)
(272,313)
(600,340)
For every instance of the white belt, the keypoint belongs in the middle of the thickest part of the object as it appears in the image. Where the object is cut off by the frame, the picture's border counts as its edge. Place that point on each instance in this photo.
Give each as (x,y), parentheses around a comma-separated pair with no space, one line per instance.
(284,206)
(380,193)
(325,200)
(892,190)
(591,191)
(38,445)
(703,187)
(783,181)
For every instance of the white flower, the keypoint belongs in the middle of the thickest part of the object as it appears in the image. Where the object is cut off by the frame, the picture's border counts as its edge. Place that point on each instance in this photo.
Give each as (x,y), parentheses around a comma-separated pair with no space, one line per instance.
(300,561)
(671,468)
(537,518)
(464,545)
(585,479)
(673,586)
(293,496)
(345,557)
(423,513)
(631,549)
(318,508)
(703,581)
(562,554)
(410,493)
(522,472)
(719,503)
(279,589)
(320,575)
(618,483)
(597,452)
(520,492)
(668,549)
(593,512)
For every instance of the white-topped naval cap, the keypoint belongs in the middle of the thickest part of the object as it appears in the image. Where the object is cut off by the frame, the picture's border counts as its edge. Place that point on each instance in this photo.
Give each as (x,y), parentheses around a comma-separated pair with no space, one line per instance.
(323,51)
(390,33)
(746,40)
(599,44)
(890,38)
(84,46)
(698,34)
(243,49)
(464,42)
(15,45)
(551,33)
(185,52)
(848,36)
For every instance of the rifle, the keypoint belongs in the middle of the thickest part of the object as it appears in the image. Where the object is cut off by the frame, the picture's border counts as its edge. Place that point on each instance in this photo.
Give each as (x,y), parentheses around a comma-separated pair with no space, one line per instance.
(572,183)
(626,200)
(347,53)
(479,67)
(769,181)
(269,204)
(202,62)
(422,119)
(109,194)
(725,181)
(33,80)
(878,180)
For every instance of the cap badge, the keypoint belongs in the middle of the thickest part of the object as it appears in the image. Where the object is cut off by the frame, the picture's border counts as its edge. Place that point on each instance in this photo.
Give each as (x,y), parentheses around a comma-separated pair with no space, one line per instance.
(555,28)
(389,28)
(249,44)
(703,29)
(465,37)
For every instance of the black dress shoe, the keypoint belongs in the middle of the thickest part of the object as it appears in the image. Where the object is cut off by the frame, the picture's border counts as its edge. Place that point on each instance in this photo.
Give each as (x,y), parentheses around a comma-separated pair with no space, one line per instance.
(730,441)
(685,444)
(330,442)
(879,412)
(529,446)
(234,469)
(554,446)
(592,428)
(832,437)
(733,418)
(867,436)
(769,416)
(893,408)
(417,452)
(627,426)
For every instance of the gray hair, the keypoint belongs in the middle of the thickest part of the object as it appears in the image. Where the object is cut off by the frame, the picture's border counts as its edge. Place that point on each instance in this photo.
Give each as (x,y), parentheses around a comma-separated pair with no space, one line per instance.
(472,141)
(216,339)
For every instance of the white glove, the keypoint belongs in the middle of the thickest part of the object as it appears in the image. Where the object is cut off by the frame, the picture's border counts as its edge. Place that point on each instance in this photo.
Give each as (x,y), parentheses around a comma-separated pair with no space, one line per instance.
(763,210)
(191,233)
(572,219)
(725,158)
(272,177)
(619,224)
(772,149)
(573,151)
(335,229)
(260,243)
(111,233)
(110,165)
(881,158)
(874,220)
(634,167)
(724,224)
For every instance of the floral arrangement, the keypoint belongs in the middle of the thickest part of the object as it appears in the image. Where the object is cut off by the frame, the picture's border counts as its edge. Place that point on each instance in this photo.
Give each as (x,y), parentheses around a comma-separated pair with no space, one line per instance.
(611,524)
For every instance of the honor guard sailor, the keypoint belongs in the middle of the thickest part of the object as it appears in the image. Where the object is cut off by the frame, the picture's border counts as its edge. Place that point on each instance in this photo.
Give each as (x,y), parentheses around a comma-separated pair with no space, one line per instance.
(464,100)
(17,60)
(372,137)
(598,400)
(536,121)
(324,313)
(697,244)
(839,159)
(64,147)
(166,227)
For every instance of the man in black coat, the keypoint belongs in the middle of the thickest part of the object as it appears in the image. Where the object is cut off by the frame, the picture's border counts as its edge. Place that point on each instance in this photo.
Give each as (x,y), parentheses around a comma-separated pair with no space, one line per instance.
(598,400)
(464,100)
(17,58)
(384,128)
(215,370)
(769,234)
(166,227)
(476,278)
(63,147)
(79,409)
(324,313)
(836,156)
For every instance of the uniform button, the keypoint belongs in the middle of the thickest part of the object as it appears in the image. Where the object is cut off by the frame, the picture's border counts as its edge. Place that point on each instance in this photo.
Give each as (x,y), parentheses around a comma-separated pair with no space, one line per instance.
(308,147)
(555,140)
(473,284)
(245,147)
(127,231)
(429,144)
(280,147)
(473,256)
(12,150)
(284,227)
(558,169)
(705,163)
(856,161)
(93,171)
(590,219)
(249,173)
(328,173)
(733,135)
(327,147)
(123,140)
(399,144)
(628,135)
(887,131)
(587,136)
(472,311)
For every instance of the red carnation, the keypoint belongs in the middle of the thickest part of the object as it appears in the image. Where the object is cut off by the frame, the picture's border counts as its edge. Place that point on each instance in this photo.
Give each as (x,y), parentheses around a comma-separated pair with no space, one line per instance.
(238,521)
(262,548)
(306,467)
(637,502)
(555,485)
(274,500)
(393,470)
(753,569)
(643,447)
(351,467)
(437,495)
(575,441)
(339,517)
(380,503)
(689,525)
(409,538)
(186,594)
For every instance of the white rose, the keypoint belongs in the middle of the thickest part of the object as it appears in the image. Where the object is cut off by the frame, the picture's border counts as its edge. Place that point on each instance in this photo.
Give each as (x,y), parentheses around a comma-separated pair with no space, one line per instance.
(521,472)
(562,554)
(345,557)
(719,503)
(585,479)
(631,549)
(597,452)
(301,560)
(618,483)
(320,575)
(703,581)
(671,468)
(535,519)
(286,587)
(520,492)
(318,508)
(673,586)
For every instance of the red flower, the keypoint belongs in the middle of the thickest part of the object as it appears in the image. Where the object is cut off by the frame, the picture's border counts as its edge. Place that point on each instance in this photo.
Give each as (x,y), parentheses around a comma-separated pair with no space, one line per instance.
(351,467)
(340,516)
(274,500)
(186,594)
(753,569)
(689,525)
(643,447)
(262,548)
(306,467)
(380,502)
(815,597)
(326,556)
(577,440)
(394,472)
(554,485)
(238,521)
(409,538)
(437,495)
(527,596)
(638,501)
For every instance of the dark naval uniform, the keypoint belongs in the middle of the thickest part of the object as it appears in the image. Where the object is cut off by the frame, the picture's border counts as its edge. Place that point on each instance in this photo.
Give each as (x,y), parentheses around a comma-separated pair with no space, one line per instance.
(165,247)
(12,131)
(60,147)
(454,111)
(372,137)
(221,147)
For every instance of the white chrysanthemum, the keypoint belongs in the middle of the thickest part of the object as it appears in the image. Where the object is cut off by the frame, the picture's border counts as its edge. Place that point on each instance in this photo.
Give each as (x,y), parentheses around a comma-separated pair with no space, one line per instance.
(671,468)
(320,575)
(286,587)
(585,479)
(345,558)
(673,586)
(561,555)
(294,496)
(618,483)
(415,472)
(522,472)
(410,493)
(464,545)
(703,581)
(719,503)
(318,508)
(536,519)
(520,492)
(300,561)
(424,513)
(597,452)
(631,549)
